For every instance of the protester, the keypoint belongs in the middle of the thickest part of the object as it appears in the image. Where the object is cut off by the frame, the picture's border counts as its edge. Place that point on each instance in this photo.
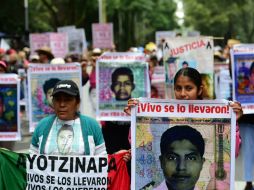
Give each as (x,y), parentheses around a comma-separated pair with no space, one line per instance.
(84,69)
(34,59)
(12,61)
(188,86)
(246,125)
(45,54)
(182,156)
(2,54)
(57,60)
(3,67)
(22,59)
(87,138)
(92,77)
(87,132)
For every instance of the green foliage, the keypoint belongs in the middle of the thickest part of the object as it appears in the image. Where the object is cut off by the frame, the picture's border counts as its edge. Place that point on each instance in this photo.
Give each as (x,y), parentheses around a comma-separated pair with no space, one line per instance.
(11,16)
(135,21)
(224,18)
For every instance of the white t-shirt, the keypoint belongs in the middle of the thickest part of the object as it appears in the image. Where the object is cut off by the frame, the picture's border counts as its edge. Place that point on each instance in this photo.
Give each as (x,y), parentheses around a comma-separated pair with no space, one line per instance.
(65,138)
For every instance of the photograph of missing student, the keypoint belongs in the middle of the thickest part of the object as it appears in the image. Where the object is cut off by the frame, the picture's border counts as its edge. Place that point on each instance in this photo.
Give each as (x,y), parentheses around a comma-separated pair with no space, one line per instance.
(182,153)
(41,89)
(244,78)
(242,59)
(8,108)
(119,82)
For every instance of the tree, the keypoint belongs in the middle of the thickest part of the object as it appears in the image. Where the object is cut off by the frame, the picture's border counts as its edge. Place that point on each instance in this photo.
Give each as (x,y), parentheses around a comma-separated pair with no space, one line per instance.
(226,18)
(135,22)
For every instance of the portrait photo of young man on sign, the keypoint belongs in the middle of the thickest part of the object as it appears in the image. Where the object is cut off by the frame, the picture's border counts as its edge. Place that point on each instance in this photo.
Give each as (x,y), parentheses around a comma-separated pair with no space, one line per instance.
(120,76)
(182,149)
(177,149)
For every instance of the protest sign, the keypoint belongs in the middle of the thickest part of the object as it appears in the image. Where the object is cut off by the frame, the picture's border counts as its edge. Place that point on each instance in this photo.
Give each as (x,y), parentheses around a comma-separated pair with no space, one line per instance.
(195,52)
(120,76)
(191,144)
(159,35)
(102,35)
(222,81)
(76,39)
(193,33)
(37,41)
(9,108)
(41,81)
(23,171)
(242,57)
(57,42)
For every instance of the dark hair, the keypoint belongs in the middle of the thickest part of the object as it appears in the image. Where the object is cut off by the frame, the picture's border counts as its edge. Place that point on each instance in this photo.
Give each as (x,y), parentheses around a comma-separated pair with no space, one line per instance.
(122,71)
(185,63)
(193,74)
(181,132)
(50,84)
(251,67)
(2,97)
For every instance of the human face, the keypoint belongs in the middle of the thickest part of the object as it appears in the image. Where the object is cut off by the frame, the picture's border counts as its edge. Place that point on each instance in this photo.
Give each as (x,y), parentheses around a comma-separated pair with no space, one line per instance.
(43,58)
(65,106)
(123,87)
(64,141)
(49,97)
(185,89)
(181,165)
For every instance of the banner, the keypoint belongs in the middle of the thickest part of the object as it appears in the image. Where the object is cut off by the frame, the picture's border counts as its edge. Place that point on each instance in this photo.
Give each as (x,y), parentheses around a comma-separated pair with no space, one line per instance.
(189,144)
(242,57)
(23,171)
(9,108)
(222,82)
(160,35)
(195,52)
(41,80)
(102,35)
(120,76)
(37,41)
(57,42)
(76,39)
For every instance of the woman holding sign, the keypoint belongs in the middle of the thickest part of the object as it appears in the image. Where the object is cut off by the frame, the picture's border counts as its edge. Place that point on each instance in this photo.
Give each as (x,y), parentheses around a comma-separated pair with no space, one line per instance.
(63,132)
(188,86)
(67,132)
